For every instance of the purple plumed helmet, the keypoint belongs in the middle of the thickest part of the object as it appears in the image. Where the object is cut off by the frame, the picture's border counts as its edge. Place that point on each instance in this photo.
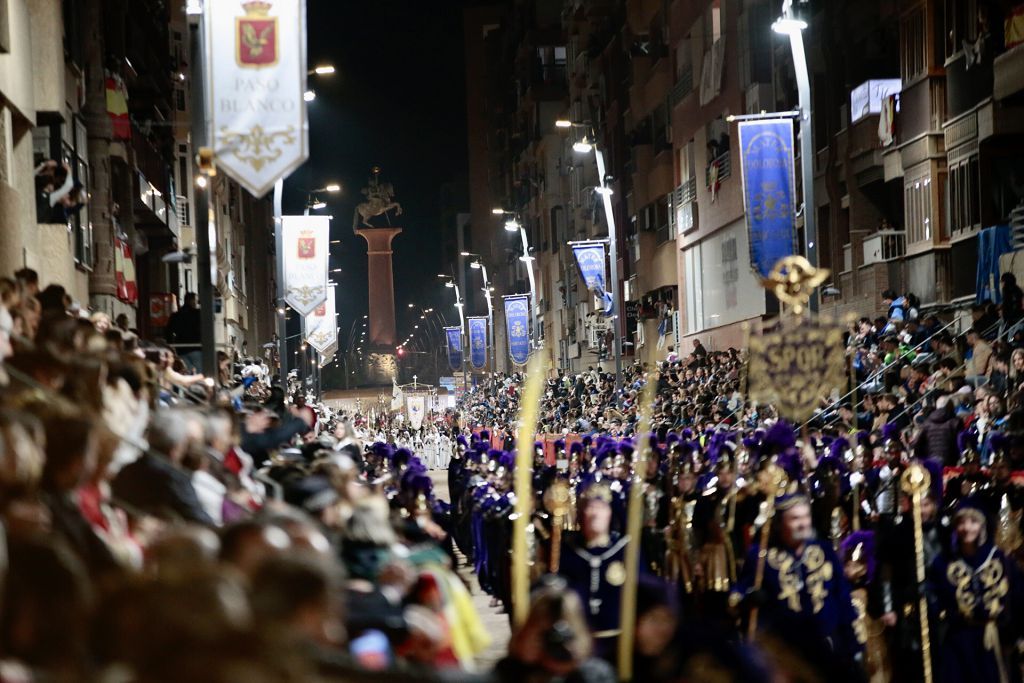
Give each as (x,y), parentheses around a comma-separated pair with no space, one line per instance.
(860,546)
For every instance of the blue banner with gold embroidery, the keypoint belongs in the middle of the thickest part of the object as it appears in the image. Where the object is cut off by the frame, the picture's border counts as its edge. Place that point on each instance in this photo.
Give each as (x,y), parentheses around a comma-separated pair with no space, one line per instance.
(517,327)
(590,260)
(769,190)
(454,337)
(478,342)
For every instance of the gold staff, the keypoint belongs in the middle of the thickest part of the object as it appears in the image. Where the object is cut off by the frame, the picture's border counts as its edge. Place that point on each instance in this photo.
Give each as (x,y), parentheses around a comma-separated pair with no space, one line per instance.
(556,500)
(915,482)
(627,623)
(529,407)
(775,481)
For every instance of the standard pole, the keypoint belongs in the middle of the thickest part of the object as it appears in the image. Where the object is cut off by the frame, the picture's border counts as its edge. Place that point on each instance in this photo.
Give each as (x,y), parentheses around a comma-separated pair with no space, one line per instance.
(613,256)
(202,207)
(282,320)
(803,82)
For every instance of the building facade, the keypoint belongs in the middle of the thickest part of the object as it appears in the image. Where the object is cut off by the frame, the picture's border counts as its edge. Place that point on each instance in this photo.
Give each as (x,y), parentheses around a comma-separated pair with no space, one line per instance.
(101,90)
(917,129)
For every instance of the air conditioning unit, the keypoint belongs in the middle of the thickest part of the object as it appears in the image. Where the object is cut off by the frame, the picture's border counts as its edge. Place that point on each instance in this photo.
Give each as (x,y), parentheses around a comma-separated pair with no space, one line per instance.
(759,98)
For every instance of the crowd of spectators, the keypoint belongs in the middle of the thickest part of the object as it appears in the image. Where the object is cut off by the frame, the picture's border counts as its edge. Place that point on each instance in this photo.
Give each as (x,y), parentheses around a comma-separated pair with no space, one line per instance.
(158,524)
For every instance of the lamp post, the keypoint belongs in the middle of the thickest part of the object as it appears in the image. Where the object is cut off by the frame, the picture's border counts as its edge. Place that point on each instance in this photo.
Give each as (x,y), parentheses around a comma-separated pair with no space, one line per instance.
(450,283)
(792,25)
(513,224)
(586,145)
(478,264)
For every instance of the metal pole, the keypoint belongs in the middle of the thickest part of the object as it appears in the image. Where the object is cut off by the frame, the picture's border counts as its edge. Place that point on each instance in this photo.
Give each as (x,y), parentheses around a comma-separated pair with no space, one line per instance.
(803,82)
(202,208)
(533,287)
(282,307)
(462,337)
(613,256)
(490,316)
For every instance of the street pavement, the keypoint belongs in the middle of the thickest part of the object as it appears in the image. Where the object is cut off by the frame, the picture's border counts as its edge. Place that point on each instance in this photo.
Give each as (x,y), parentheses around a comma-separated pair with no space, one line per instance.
(495,622)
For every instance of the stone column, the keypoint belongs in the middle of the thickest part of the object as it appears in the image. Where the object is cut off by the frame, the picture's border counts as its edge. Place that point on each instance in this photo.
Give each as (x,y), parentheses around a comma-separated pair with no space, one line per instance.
(382,286)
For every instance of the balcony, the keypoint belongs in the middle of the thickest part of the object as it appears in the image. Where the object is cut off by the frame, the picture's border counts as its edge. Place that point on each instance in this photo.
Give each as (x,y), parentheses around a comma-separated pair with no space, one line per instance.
(683,86)
(884,245)
(723,164)
(684,203)
(1008,73)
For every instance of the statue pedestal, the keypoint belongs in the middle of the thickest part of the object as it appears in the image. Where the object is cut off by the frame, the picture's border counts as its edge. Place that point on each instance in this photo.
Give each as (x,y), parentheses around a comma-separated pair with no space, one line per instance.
(382,286)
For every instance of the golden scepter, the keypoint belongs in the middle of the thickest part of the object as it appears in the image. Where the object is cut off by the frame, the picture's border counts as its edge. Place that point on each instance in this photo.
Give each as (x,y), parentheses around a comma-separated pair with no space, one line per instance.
(556,500)
(914,482)
(775,479)
(634,513)
(529,408)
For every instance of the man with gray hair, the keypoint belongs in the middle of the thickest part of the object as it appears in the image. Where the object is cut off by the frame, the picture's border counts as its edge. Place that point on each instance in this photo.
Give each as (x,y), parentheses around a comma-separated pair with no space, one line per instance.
(156,484)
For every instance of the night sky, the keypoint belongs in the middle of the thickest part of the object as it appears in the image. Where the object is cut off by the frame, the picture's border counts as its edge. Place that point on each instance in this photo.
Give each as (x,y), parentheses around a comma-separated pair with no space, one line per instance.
(397,101)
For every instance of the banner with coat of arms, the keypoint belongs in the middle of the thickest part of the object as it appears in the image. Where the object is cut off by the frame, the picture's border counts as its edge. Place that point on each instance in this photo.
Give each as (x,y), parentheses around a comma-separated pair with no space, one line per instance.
(769,190)
(256,69)
(478,341)
(321,326)
(305,241)
(453,335)
(416,406)
(517,327)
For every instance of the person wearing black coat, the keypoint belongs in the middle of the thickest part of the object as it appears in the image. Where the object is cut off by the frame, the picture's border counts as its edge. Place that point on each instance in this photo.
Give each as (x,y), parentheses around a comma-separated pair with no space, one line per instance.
(937,438)
(156,484)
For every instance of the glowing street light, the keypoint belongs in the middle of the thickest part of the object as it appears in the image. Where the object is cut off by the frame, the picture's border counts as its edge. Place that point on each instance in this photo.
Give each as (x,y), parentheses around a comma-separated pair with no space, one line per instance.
(308,96)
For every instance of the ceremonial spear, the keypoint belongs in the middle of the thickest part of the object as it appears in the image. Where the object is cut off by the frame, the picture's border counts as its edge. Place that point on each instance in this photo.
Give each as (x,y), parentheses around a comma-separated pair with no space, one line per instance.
(627,623)
(529,408)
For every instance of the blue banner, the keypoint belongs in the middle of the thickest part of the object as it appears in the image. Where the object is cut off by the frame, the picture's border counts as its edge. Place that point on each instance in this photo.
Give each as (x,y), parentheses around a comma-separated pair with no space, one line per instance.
(454,336)
(478,342)
(517,327)
(769,190)
(590,260)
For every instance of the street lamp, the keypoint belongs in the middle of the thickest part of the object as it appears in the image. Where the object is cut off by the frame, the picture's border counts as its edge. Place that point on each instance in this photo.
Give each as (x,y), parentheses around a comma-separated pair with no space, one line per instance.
(451,284)
(323,70)
(478,264)
(587,145)
(793,25)
(513,224)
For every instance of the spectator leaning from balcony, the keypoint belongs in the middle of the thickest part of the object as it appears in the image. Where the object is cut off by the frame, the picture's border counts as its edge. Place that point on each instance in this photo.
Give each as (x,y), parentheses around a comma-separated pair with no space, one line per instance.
(183,333)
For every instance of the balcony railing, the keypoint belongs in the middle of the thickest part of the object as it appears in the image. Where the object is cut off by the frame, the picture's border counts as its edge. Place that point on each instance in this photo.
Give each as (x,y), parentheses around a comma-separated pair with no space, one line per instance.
(724,165)
(884,245)
(683,86)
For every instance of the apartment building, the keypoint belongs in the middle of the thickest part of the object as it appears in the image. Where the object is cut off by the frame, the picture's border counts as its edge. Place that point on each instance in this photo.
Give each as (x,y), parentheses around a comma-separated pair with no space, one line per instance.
(917,129)
(102,89)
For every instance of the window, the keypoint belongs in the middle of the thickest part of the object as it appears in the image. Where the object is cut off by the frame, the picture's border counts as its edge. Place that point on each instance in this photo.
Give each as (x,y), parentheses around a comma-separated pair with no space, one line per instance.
(913,46)
(960,19)
(917,208)
(79,221)
(714,20)
(962,195)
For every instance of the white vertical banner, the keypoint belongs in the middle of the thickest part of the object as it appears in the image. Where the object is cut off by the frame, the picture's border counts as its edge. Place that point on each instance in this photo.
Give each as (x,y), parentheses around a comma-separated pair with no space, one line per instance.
(305,241)
(322,326)
(416,408)
(328,355)
(256,64)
